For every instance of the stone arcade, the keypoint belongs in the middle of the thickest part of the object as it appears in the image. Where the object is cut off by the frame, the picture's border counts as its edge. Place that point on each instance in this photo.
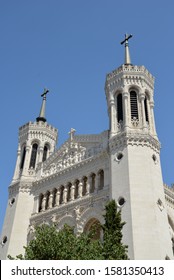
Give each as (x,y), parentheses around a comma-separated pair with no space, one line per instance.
(72,184)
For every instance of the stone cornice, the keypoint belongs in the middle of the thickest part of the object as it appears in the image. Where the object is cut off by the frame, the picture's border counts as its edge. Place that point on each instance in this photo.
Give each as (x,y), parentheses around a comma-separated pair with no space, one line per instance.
(124,139)
(39,128)
(19,187)
(128,75)
(71,169)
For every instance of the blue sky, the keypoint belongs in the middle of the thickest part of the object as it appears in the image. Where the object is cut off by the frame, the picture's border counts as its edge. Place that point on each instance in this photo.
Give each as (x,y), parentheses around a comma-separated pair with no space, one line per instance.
(69,46)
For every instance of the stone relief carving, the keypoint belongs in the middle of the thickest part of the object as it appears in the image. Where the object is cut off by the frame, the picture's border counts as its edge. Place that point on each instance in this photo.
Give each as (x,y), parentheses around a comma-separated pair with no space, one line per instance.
(71,154)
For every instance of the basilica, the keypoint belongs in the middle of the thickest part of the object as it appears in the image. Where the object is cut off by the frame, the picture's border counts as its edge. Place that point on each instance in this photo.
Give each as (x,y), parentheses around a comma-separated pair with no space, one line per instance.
(71,184)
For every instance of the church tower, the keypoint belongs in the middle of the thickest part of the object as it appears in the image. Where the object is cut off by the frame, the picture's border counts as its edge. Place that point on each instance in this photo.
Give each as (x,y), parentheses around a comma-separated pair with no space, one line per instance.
(135,171)
(37,141)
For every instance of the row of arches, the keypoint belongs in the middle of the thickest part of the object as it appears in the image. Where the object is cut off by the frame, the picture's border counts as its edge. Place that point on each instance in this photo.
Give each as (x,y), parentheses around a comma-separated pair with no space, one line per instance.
(71,191)
(134,108)
(34,154)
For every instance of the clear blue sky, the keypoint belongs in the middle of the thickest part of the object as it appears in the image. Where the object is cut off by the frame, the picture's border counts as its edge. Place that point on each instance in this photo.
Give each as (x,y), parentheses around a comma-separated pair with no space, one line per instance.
(69,46)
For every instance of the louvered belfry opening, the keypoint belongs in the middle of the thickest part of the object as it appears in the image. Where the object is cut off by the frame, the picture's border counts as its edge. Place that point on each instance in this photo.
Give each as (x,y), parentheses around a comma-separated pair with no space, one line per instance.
(134,105)
(119,107)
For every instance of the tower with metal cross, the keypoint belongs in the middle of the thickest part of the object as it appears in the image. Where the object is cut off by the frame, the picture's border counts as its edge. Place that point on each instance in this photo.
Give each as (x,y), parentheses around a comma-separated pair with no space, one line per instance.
(136,178)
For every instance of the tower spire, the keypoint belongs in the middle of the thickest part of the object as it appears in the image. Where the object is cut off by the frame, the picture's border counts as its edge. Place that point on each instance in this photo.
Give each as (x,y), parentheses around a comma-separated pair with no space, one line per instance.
(127,54)
(42,110)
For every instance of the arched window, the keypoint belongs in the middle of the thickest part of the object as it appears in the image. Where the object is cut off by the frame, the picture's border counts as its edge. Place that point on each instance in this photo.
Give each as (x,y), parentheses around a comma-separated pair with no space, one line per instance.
(92,185)
(93,225)
(33,155)
(134,105)
(23,157)
(101,179)
(45,152)
(146,109)
(119,107)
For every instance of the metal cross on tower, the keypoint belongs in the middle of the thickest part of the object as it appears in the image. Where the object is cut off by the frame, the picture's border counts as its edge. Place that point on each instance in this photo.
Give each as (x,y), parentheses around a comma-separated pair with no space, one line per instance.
(42,110)
(127,54)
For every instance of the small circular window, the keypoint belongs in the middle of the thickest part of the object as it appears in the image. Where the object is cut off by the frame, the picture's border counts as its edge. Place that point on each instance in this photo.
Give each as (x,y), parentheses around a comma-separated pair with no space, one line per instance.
(121,201)
(4,240)
(119,156)
(12,201)
(154,158)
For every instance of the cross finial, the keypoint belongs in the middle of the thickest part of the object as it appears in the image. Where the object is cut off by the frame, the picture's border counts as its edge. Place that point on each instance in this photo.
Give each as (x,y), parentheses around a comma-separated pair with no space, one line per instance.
(45,92)
(71,133)
(127,54)
(42,110)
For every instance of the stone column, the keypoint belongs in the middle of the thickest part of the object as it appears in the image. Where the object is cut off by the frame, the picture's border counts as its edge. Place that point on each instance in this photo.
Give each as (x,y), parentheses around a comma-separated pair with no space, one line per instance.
(72,192)
(88,185)
(58,197)
(36,204)
(43,202)
(113,121)
(80,188)
(153,129)
(125,109)
(97,182)
(17,168)
(142,98)
(50,204)
(65,195)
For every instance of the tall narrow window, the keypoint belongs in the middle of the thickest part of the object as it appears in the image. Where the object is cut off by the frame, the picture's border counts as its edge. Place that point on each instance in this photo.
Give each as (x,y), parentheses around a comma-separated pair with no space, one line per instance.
(45,151)
(134,105)
(119,107)
(23,158)
(146,109)
(33,156)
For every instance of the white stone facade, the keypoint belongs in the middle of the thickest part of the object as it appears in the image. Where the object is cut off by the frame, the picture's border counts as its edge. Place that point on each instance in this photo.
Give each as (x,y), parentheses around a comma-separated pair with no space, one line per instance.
(73,183)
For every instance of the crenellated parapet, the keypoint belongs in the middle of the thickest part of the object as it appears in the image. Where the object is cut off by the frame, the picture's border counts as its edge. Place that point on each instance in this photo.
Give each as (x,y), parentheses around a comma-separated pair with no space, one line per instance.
(129,75)
(37,130)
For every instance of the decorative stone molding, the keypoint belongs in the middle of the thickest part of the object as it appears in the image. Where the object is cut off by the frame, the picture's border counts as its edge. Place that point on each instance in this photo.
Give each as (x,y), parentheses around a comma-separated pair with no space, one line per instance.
(124,139)
(169,195)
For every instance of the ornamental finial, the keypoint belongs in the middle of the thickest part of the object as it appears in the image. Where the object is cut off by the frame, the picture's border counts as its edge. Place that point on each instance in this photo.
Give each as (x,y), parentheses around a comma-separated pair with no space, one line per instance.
(42,110)
(127,54)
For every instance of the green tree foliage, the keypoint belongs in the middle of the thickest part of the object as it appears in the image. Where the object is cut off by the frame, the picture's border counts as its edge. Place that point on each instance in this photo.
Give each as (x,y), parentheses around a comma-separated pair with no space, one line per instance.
(50,244)
(113,248)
